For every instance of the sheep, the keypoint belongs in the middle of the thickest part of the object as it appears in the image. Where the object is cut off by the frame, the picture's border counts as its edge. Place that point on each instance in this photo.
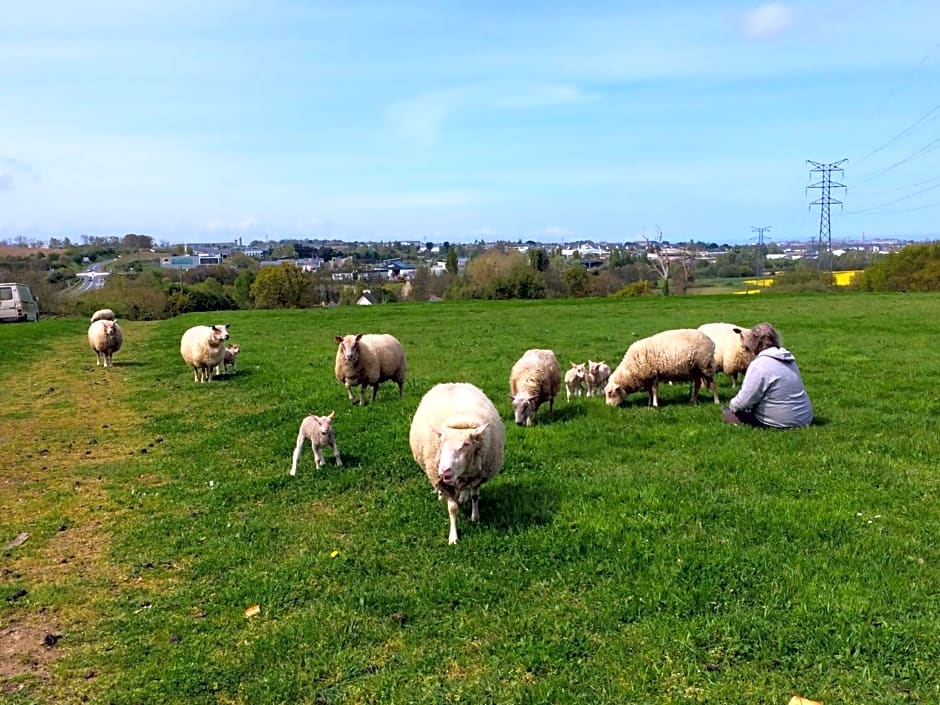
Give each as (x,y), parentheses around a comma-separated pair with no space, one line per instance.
(368,360)
(229,358)
(203,349)
(105,337)
(458,439)
(683,354)
(598,374)
(533,380)
(319,431)
(104,314)
(575,380)
(731,357)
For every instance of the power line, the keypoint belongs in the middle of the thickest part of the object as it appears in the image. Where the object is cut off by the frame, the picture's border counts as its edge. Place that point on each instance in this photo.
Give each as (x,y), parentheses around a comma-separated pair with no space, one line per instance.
(897,200)
(907,78)
(930,146)
(900,134)
(825,201)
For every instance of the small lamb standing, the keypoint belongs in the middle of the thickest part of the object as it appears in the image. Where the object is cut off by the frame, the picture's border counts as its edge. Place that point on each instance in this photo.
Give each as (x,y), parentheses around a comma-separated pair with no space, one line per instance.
(731,357)
(598,374)
(103,314)
(673,355)
(575,381)
(203,349)
(105,337)
(533,380)
(229,358)
(319,431)
(458,439)
(367,360)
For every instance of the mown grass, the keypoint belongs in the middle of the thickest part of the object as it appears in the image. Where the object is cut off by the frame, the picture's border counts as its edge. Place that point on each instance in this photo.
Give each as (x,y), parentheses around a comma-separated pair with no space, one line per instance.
(624,555)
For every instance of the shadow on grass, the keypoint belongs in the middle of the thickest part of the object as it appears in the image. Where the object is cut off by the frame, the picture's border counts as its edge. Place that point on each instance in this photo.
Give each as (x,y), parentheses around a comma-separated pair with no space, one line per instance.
(517,504)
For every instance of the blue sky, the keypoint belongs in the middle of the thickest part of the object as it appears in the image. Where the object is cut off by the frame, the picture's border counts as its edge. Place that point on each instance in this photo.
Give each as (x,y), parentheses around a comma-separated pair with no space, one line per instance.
(554,121)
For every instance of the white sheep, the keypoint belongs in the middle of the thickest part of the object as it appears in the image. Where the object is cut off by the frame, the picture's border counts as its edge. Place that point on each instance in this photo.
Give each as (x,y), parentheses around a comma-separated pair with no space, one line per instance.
(598,374)
(319,431)
(533,380)
(731,357)
(458,439)
(203,349)
(229,358)
(672,355)
(105,337)
(367,360)
(575,380)
(103,314)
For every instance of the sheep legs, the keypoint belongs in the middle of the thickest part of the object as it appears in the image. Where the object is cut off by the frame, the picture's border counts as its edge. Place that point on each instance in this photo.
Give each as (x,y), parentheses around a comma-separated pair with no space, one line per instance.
(452,513)
(297,449)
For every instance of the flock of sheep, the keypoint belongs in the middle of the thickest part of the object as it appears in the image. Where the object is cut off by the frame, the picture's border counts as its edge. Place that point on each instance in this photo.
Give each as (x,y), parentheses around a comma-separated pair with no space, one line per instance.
(457,434)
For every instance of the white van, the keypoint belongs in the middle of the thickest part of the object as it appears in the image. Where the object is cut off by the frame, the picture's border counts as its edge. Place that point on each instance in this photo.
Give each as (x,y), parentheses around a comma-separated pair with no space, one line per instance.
(17,304)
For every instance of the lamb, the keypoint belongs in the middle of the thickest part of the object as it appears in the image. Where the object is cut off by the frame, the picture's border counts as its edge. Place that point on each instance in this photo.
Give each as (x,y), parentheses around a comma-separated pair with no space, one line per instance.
(682,354)
(575,380)
(367,360)
(106,338)
(731,357)
(458,439)
(103,314)
(533,380)
(203,349)
(319,431)
(229,358)
(598,374)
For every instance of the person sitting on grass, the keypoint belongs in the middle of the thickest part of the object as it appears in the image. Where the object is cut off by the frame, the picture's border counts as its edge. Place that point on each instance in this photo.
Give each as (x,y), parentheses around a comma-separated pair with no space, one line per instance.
(772,394)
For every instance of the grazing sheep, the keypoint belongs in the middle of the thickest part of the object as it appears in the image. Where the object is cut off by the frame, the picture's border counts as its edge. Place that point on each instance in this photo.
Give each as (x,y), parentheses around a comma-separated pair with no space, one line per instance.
(319,431)
(458,440)
(680,355)
(367,361)
(575,381)
(229,358)
(731,357)
(533,380)
(103,314)
(598,374)
(203,349)
(106,338)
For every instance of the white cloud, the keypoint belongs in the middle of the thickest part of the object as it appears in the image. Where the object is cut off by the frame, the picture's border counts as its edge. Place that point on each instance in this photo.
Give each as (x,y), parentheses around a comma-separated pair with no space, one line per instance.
(768,21)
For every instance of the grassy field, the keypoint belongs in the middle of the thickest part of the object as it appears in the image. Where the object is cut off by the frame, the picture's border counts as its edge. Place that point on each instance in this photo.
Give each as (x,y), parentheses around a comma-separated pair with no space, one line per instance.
(624,555)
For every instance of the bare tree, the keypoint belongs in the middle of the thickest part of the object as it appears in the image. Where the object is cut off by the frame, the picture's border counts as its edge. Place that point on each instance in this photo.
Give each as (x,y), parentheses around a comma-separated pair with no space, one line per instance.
(658,258)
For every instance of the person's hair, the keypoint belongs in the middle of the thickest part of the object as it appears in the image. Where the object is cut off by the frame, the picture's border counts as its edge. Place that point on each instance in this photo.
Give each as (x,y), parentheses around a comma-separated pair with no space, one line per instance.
(764,336)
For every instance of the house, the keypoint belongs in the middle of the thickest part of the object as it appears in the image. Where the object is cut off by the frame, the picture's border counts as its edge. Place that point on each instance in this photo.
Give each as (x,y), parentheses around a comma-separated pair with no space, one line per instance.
(366,299)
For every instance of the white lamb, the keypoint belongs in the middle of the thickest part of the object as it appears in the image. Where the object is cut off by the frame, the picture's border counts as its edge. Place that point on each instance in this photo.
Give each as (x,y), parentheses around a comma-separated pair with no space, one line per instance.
(367,361)
(575,381)
(229,358)
(103,314)
(203,349)
(598,374)
(457,438)
(319,431)
(731,357)
(105,337)
(533,380)
(673,355)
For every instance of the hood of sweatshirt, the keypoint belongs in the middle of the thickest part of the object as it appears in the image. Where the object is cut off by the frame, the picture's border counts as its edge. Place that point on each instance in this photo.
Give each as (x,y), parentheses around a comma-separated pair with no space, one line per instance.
(781,354)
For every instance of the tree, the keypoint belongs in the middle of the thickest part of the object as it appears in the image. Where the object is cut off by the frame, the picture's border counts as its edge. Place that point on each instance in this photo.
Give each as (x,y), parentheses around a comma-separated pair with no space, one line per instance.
(281,286)
(576,281)
(538,259)
(658,260)
(451,264)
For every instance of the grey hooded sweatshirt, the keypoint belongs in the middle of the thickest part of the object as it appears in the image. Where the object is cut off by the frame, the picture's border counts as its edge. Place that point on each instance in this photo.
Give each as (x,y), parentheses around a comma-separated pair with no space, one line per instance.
(773,391)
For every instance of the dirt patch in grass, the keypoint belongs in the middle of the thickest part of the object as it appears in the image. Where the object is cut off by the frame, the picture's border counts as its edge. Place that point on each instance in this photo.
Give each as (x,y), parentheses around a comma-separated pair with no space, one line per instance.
(65,425)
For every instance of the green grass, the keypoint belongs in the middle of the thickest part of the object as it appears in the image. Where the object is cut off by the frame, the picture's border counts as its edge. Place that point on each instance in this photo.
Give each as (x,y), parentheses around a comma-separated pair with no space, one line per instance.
(624,555)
